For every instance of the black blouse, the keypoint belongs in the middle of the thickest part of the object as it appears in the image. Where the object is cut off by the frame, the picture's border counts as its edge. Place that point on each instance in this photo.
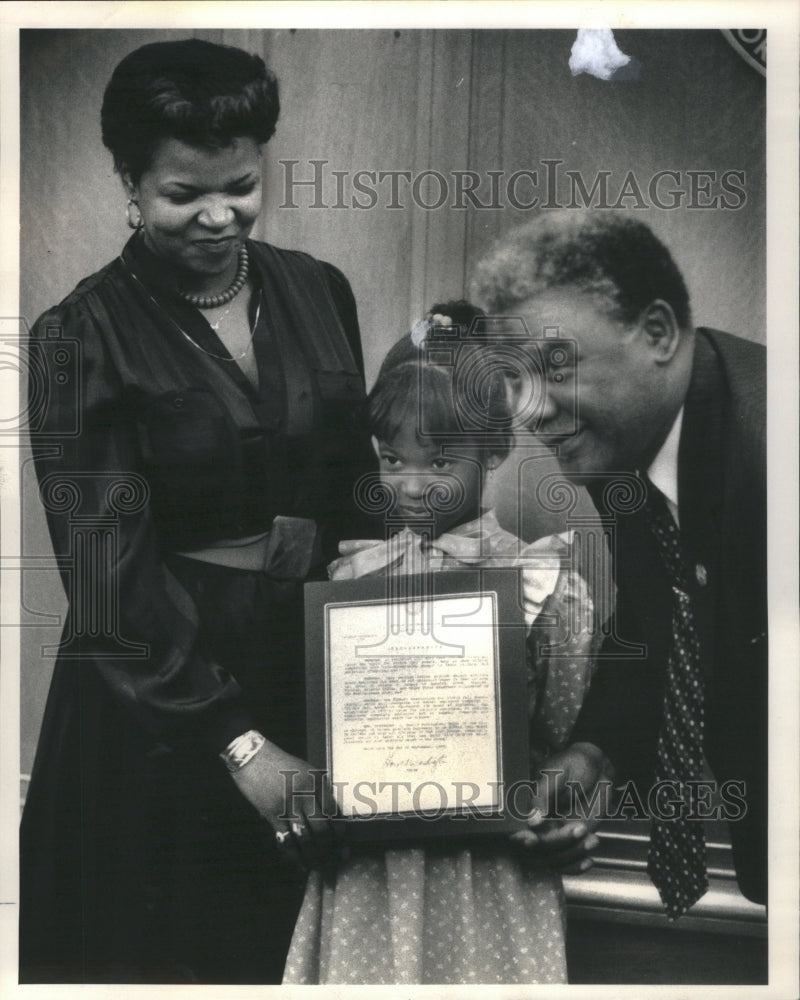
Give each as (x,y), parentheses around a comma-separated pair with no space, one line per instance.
(150,440)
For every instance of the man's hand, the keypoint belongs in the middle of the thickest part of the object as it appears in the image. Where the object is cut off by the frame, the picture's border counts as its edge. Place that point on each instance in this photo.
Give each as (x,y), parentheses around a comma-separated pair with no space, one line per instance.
(565,844)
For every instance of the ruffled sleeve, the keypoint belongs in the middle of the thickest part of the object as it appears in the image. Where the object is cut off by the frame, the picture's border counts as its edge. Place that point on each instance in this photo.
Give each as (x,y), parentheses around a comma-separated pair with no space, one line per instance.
(563,640)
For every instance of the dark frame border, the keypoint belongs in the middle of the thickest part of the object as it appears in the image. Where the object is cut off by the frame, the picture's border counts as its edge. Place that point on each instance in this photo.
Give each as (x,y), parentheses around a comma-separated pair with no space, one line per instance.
(511,680)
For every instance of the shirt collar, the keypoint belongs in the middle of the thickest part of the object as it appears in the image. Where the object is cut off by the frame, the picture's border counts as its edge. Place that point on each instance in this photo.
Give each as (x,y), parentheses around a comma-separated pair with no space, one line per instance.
(663,471)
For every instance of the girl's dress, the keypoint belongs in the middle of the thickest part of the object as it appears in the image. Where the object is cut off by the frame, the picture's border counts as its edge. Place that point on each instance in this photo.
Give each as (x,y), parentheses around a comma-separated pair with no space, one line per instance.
(477,914)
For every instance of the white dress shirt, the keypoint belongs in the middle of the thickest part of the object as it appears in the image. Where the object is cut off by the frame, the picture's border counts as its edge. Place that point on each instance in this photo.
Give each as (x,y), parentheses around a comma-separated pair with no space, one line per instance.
(663,471)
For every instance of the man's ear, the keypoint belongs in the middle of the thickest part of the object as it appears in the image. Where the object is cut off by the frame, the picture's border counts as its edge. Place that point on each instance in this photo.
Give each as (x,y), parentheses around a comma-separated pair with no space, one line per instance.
(494,462)
(658,324)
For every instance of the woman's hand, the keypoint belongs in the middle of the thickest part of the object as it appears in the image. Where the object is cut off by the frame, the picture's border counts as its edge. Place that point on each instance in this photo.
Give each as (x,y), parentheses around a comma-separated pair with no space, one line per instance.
(297,802)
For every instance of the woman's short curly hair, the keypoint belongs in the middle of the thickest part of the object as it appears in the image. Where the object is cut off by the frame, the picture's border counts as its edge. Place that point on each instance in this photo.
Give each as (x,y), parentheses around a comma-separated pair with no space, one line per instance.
(201,93)
(608,253)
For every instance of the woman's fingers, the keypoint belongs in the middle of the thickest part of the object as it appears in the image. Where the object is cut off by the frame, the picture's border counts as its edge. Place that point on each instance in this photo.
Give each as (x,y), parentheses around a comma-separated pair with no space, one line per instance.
(329,842)
(288,843)
(310,842)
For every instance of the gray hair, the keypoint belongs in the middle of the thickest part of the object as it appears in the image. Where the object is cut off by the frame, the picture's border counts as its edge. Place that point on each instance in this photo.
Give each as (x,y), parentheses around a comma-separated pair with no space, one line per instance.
(607,253)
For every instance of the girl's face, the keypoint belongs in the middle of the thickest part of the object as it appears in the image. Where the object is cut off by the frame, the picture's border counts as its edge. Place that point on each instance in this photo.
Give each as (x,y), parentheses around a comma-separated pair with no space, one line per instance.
(433,491)
(198,205)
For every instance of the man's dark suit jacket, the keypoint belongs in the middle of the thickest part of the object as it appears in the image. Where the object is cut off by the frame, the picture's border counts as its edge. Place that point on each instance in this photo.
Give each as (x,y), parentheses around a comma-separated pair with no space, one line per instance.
(722,509)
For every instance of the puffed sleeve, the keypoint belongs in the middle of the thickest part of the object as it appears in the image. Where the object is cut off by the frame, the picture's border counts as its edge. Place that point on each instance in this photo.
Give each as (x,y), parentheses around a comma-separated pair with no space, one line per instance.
(353,521)
(563,641)
(345,303)
(129,617)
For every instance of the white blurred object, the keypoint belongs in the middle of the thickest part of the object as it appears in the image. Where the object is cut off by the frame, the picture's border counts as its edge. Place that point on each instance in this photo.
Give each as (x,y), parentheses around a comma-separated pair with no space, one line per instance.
(594,51)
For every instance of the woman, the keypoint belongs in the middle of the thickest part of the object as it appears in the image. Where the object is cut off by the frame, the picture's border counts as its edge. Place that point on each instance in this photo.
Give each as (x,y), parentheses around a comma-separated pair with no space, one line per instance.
(212,472)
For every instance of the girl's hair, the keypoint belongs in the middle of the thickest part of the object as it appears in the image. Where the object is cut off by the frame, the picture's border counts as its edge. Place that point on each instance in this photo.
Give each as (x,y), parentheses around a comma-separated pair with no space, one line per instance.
(201,93)
(460,400)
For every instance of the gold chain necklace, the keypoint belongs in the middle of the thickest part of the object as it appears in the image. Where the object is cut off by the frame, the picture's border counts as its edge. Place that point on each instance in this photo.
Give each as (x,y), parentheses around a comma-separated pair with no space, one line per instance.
(192,341)
(215,326)
(220,357)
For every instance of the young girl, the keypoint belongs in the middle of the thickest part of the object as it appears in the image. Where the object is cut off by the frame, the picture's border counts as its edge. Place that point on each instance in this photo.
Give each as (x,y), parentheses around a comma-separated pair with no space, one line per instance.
(451,913)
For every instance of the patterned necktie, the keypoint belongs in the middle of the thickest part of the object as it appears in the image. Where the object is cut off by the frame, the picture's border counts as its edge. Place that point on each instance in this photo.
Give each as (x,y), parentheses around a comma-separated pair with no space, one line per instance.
(677,858)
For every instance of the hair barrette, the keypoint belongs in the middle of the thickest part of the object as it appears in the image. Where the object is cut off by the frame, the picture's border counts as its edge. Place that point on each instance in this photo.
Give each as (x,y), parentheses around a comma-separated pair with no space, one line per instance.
(421,329)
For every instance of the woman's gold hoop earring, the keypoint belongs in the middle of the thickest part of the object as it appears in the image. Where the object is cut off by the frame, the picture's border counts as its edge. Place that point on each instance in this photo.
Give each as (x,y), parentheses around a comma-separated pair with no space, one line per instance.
(133,223)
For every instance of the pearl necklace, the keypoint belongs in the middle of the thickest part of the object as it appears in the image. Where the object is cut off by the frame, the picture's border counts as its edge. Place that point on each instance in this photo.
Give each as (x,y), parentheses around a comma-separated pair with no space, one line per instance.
(230,293)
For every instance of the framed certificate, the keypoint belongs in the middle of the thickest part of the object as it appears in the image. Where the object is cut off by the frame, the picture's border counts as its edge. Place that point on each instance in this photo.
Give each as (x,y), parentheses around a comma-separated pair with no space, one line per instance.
(417,702)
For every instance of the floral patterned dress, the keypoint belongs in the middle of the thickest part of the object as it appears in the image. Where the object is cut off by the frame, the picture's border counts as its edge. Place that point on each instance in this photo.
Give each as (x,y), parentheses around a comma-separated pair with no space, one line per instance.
(456,914)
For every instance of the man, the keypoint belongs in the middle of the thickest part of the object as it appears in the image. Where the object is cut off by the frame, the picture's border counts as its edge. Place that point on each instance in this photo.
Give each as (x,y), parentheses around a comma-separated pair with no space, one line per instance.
(677,415)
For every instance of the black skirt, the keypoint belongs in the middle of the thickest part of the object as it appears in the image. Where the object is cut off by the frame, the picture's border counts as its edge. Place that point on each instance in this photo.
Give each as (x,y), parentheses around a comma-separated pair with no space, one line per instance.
(141,862)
